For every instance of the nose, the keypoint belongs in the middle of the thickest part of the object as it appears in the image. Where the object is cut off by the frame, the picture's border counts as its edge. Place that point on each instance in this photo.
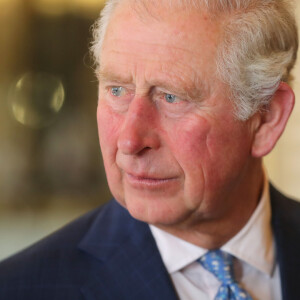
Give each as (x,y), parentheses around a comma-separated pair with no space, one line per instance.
(139,128)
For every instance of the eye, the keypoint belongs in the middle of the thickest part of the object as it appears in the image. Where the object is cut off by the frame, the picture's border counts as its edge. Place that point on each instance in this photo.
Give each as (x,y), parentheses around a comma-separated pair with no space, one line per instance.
(118,91)
(170,98)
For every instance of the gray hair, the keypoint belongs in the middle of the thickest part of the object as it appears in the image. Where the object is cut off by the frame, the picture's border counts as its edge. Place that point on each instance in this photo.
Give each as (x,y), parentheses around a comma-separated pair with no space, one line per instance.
(258,48)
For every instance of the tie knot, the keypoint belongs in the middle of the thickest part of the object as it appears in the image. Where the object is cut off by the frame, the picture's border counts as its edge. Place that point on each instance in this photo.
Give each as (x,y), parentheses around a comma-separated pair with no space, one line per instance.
(220,264)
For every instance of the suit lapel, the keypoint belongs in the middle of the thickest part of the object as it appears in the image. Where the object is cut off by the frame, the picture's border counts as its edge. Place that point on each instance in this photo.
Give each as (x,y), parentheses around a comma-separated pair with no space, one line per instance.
(126,263)
(285,221)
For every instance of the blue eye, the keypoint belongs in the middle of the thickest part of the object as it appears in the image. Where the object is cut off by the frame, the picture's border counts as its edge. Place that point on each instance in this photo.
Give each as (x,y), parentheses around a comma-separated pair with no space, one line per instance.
(170,98)
(117,91)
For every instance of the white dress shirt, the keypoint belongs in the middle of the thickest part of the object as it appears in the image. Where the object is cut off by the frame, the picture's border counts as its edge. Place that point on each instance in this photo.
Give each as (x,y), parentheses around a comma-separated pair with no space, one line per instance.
(255,267)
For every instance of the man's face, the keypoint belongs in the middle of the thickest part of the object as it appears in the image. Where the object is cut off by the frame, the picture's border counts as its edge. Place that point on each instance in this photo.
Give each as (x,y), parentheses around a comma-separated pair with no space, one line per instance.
(172,149)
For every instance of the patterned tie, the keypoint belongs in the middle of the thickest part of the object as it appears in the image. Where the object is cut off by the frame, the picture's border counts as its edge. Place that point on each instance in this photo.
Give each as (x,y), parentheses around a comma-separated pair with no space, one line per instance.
(220,264)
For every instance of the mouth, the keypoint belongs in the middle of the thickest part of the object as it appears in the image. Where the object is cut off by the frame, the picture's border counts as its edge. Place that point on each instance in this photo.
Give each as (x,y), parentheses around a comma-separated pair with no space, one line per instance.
(148,181)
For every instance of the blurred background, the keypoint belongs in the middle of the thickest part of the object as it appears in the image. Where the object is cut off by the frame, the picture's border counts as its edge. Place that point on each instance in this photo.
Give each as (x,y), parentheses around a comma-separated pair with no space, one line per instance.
(50,162)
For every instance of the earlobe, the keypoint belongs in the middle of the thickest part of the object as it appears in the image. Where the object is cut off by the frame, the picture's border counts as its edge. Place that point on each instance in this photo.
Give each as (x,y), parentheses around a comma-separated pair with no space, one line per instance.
(273,121)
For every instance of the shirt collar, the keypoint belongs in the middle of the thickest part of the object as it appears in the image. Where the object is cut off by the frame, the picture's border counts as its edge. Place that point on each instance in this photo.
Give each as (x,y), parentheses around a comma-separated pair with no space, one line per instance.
(175,252)
(253,243)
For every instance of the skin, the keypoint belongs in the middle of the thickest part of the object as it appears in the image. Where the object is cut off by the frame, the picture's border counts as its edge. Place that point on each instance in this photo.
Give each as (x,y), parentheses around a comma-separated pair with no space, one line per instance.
(188,166)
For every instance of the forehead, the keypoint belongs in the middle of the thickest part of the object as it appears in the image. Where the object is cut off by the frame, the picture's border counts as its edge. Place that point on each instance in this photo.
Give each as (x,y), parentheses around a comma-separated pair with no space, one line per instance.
(182,15)
(176,41)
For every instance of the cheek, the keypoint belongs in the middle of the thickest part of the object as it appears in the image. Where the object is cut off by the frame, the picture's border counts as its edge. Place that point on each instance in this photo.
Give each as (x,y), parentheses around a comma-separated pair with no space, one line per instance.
(190,141)
(208,151)
(230,142)
(229,146)
(189,147)
(108,129)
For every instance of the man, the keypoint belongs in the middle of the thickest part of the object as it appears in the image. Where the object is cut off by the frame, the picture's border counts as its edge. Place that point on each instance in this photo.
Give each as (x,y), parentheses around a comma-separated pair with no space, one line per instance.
(192,95)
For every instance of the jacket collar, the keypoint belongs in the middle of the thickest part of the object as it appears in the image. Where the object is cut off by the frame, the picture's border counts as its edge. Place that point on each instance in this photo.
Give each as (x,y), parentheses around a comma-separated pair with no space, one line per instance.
(285,221)
(125,262)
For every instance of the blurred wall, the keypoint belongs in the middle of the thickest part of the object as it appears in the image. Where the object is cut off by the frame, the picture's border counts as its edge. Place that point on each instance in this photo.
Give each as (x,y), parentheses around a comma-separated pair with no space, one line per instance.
(50,163)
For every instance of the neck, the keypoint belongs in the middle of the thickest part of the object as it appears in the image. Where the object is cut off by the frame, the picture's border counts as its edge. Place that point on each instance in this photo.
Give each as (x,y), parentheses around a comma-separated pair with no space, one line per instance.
(215,232)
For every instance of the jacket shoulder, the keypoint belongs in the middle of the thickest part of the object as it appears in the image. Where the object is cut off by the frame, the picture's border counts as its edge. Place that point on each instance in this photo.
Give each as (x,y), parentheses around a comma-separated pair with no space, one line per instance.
(285,208)
(51,261)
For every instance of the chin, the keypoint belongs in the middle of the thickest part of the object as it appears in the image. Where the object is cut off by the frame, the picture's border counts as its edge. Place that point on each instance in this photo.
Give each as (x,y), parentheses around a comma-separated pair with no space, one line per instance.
(156,211)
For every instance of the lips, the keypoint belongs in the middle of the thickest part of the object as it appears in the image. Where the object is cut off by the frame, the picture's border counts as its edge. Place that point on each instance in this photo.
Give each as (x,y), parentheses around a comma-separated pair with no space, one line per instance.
(140,180)
(147,177)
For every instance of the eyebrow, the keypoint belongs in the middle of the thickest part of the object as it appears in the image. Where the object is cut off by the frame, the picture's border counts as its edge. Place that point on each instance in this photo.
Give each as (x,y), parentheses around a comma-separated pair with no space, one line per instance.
(110,76)
(191,92)
(194,91)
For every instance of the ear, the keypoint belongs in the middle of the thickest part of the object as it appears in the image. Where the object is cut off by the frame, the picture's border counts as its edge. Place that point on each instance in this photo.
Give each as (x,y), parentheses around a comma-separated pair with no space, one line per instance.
(273,121)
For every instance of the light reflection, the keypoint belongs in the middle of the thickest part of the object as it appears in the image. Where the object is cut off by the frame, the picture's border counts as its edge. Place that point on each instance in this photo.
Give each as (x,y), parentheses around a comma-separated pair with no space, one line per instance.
(36,98)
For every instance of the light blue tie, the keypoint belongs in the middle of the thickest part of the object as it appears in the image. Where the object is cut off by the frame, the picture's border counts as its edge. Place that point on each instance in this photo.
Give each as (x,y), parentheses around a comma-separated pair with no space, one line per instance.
(220,264)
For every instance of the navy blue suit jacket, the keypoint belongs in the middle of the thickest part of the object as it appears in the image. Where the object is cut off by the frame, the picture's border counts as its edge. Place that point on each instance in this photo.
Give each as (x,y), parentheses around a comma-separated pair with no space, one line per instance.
(108,255)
